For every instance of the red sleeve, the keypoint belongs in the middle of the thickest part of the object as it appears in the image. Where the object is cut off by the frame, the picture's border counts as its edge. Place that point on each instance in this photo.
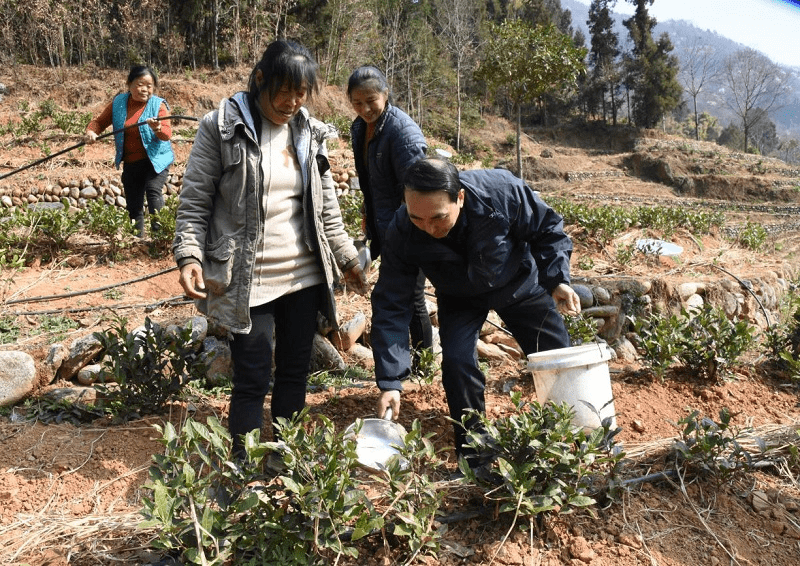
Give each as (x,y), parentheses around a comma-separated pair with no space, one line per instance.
(102,121)
(166,127)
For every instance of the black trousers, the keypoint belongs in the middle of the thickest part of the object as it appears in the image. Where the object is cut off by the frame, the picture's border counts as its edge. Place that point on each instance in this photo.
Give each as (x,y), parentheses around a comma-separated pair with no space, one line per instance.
(534,322)
(284,327)
(139,179)
(420,328)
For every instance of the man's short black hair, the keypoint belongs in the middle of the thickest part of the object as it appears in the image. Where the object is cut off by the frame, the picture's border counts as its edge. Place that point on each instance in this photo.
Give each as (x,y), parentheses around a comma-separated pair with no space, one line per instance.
(433,174)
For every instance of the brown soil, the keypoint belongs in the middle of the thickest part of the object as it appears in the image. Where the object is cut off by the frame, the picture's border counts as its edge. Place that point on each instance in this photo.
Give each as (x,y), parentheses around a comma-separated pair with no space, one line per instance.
(71,495)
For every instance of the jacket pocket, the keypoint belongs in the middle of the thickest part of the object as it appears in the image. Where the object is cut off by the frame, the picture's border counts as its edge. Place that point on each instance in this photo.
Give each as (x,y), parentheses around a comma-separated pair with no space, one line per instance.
(218,265)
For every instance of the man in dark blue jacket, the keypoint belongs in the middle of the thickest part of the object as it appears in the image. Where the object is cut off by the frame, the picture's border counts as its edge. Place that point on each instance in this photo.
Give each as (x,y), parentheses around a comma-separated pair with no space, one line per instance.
(486,242)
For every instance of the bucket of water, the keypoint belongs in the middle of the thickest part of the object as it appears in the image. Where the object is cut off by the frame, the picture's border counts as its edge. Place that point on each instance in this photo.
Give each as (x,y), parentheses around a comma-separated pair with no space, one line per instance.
(578,376)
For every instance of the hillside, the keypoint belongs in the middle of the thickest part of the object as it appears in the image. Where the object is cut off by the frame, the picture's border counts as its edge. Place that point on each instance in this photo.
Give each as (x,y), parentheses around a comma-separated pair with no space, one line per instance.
(71,493)
(683,35)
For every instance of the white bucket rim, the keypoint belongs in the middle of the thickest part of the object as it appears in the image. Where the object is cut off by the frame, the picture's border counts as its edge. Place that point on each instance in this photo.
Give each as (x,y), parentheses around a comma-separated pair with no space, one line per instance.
(573,356)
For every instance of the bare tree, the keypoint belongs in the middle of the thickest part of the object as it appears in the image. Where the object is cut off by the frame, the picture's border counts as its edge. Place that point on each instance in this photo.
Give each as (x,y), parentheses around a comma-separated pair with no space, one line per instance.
(458,29)
(698,68)
(753,81)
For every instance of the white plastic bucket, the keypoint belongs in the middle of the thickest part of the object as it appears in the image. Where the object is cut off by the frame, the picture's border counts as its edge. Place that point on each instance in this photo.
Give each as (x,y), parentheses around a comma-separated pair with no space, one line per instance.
(576,375)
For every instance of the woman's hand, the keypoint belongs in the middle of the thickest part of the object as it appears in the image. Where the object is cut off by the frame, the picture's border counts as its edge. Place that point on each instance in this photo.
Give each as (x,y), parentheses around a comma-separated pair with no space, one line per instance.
(356,280)
(567,300)
(191,279)
(154,124)
(90,136)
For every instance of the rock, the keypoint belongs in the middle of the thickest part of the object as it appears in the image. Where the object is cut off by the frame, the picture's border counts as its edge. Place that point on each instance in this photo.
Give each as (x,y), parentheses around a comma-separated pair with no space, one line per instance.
(491,352)
(579,548)
(324,356)
(82,395)
(694,302)
(199,331)
(17,376)
(584,294)
(686,290)
(55,357)
(638,426)
(604,311)
(88,192)
(362,355)
(217,354)
(89,374)
(349,332)
(493,321)
(602,295)
(759,501)
(625,350)
(81,352)
(511,351)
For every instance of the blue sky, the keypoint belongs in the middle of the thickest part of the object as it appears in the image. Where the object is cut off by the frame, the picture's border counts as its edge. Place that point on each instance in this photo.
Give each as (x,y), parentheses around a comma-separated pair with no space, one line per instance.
(769,26)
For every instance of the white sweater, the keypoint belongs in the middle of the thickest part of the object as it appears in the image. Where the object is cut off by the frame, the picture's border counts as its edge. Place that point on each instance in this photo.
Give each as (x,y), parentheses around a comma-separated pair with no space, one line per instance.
(284,263)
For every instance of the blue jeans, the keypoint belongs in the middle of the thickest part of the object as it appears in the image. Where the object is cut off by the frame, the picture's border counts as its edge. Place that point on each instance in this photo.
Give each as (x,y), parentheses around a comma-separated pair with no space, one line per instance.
(285,326)
(534,322)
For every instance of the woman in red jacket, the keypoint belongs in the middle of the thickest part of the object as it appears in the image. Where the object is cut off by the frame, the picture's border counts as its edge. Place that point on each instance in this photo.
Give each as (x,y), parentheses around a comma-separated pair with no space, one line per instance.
(146,151)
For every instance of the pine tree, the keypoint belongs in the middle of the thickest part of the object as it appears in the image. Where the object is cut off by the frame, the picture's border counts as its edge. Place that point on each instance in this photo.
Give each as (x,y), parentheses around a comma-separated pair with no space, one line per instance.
(602,56)
(652,70)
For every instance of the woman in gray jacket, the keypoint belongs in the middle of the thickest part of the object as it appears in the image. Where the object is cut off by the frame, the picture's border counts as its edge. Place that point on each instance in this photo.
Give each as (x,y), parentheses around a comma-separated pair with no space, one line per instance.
(259,237)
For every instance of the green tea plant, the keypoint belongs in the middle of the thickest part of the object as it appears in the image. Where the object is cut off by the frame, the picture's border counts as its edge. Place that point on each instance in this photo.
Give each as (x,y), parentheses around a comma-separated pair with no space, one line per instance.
(752,236)
(711,448)
(351,205)
(337,378)
(581,329)
(111,223)
(212,509)
(9,329)
(703,340)
(57,325)
(659,341)
(424,366)
(52,227)
(148,367)
(410,498)
(604,222)
(710,342)
(163,237)
(541,463)
(782,338)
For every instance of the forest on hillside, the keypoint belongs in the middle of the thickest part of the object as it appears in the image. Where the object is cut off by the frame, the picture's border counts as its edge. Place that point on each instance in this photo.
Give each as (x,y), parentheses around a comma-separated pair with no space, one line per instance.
(448,61)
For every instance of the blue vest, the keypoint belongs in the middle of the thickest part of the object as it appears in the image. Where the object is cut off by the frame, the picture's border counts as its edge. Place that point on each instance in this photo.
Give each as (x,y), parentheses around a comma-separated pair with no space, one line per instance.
(159,151)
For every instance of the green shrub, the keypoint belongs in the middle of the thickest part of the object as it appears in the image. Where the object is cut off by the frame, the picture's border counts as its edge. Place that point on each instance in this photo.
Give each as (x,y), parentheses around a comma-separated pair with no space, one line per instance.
(110,223)
(753,236)
(711,448)
(213,509)
(162,238)
(711,342)
(148,367)
(351,206)
(540,461)
(704,340)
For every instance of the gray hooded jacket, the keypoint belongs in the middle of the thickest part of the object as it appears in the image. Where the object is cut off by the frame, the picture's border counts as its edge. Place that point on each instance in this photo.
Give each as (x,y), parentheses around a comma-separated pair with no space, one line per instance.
(220,219)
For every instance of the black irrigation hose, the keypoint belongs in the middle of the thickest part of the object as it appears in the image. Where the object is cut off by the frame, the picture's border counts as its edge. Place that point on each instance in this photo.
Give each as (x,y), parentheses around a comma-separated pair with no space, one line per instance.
(76,146)
(171,301)
(88,291)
